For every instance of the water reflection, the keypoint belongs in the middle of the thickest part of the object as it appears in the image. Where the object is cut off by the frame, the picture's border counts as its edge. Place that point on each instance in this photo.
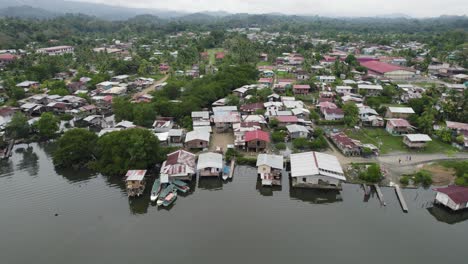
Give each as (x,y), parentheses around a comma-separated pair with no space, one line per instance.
(315,196)
(6,168)
(266,190)
(445,215)
(29,161)
(210,183)
(75,176)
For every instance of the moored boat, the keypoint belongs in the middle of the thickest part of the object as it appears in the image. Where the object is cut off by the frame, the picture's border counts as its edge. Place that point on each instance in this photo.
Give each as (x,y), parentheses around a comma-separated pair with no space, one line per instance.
(181,186)
(165,192)
(170,198)
(226,172)
(155,190)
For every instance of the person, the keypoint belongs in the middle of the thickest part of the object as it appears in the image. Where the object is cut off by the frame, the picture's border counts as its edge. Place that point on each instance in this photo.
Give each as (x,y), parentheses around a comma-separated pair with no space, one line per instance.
(399,161)
(410,158)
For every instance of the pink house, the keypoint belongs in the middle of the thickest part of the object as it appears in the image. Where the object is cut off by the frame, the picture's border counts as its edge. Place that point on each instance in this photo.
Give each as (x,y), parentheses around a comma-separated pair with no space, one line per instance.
(301,89)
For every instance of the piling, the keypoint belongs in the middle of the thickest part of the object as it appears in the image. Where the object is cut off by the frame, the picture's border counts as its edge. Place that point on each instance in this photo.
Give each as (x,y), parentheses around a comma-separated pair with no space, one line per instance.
(401,199)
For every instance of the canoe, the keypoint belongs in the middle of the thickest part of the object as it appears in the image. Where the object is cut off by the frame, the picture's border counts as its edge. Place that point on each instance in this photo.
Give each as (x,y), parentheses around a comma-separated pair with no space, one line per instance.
(169,189)
(155,190)
(170,198)
(181,186)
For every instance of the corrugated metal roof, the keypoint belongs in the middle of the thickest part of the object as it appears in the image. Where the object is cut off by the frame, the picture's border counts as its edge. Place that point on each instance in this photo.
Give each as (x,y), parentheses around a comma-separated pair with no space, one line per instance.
(135,175)
(418,137)
(274,161)
(314,163)
(210,160)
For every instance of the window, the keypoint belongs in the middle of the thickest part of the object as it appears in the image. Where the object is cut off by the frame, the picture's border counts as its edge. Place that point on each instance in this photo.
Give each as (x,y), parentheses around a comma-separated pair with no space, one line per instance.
(304,179)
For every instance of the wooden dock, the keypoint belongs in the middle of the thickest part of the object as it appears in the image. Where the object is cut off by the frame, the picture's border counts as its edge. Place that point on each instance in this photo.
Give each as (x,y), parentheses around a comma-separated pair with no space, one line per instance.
(231,170)
(379,194)
(8,151)
(401,198)
(366,189)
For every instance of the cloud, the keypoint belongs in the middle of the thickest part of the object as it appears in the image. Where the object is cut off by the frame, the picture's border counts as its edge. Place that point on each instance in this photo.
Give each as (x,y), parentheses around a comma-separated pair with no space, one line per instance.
(417,8)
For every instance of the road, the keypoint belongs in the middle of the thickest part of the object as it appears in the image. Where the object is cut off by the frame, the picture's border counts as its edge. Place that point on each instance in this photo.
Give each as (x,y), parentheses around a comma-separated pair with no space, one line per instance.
(150,88)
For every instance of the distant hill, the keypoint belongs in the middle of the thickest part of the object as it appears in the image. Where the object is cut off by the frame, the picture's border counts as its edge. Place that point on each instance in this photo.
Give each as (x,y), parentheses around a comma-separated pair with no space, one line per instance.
(27,12)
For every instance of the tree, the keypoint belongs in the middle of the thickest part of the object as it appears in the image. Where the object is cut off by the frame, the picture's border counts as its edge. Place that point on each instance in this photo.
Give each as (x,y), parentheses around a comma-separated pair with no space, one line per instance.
(426,121)
(351,114)
(18,127)
(143,114)
(445,135)
(371,174)
(122,109)
(232,100)
(75,148)
(47,125)
(124,150)
(424,177)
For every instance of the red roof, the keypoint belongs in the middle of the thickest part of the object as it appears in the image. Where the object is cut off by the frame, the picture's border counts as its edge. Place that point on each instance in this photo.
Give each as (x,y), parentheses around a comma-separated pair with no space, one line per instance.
(301,87)
(257,135)
(252,107)
(220,55)
(458,194)
(399,122)
(286,119)
(382,67)
(7,57)
(285,80)
(336,111)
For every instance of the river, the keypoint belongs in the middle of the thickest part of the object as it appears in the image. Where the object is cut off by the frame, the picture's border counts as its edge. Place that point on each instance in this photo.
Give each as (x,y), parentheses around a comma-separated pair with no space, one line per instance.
(50,216)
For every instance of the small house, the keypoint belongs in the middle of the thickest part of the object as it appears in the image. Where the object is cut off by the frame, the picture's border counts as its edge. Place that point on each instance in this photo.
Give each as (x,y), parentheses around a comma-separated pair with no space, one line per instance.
(163,125)
(453,197)
(301,89)
(416,140)
(399,112)
(197,139)
(370,90)
(285,120)
(398,126)
(179,165)
(316,170)
(175,136)
(251,108)
(256,140)
(269,169)
(135,182)
(210,164)
(333,113)
(297,131)
(347,145)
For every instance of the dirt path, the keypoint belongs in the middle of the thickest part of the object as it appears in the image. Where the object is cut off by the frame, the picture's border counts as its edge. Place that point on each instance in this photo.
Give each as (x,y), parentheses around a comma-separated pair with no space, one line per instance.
(150,88)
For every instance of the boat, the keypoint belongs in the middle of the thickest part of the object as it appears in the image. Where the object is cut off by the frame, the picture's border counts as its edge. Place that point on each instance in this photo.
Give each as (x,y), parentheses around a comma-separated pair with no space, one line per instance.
(181,186)
(226,172)
(169,189)
(170,198)
(155,190)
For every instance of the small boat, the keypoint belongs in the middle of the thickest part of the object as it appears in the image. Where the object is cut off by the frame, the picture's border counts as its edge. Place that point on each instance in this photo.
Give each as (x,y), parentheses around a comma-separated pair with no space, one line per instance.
(169,189)
(181,186)
(155,190)
(170,198)
(226,172)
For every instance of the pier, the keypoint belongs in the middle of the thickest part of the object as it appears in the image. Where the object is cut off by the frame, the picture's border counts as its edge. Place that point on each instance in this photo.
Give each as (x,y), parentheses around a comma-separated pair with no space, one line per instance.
(379,194)
(366,188)
(401,198)
(231,170)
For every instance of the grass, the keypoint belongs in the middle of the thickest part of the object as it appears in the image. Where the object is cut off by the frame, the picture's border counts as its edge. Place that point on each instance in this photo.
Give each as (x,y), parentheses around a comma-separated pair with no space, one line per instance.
(212,54)
(391,143)
(264,63)
(285,75)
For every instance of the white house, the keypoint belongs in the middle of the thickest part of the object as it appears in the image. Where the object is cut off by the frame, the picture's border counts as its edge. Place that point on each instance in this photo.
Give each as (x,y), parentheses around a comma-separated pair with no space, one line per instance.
(269,168)
(454,197)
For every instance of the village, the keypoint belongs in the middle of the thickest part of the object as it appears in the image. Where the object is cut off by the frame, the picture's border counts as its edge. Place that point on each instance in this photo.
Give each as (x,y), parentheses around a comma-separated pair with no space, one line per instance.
(355,112)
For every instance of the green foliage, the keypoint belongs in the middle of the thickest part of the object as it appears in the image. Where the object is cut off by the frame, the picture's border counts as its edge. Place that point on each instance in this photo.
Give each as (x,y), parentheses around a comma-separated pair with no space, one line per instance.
(423,177)
(372,174)
(232,154)
(18,127)
(366,152)
(75,148)
(280,146)
(273,123)
(118,152)
(301,143)
(47,126)
(232,100)
(143,114)
(460,139)
(351,114)
(314,115)
(278,136)
(445,135)
(122,109)
(404,180)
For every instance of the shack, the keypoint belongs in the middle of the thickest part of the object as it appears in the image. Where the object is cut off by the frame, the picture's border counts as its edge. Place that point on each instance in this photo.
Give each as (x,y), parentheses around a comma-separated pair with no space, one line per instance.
(454,197)
(269,169)
(210,164)
(135,182)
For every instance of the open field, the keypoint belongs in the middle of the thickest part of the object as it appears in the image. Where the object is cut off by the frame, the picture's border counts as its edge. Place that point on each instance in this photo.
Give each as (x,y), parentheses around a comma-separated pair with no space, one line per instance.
(212,54)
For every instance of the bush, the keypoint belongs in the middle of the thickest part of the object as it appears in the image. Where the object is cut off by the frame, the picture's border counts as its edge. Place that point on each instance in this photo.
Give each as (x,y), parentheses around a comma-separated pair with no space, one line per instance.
(301,143)
(423,177)
(278,136)
(232,153)
(247,161)
(372,174)
(330,122)
(280,146)
(404,180)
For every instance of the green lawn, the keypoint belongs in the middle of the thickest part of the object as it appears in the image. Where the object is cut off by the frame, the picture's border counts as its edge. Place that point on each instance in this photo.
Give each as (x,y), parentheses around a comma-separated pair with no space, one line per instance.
(212,54)
(264,63)
(285,75)
(389,143)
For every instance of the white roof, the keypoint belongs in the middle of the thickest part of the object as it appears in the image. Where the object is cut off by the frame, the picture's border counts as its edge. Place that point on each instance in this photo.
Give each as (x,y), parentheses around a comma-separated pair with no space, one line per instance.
(349,82)
(197,134)
(116,90)
(91,117)
(125,124)
(108,130)
(274,161)
(297,128)
(293,104)
(224,109)
(26,83)
(201,114)
(210,160)
(176,132)
(107,83)
(162,136)
(418,137)
(401,110)
(370,87)
(316,163)
(135,175)
(203,128)
(341,87)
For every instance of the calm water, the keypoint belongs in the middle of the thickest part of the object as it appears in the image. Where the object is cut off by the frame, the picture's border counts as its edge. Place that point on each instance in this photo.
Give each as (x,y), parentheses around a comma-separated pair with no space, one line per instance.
(235,222)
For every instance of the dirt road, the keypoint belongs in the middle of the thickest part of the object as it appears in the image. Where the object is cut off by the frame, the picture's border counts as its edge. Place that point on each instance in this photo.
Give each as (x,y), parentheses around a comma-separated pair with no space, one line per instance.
(150,88)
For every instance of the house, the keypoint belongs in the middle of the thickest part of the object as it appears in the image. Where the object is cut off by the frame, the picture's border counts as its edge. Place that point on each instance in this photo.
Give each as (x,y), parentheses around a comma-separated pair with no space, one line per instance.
(297,131)
(327,79)
(302,75)
(301,89)
(454,197)
(179,165)
(333,113)
(125,125)
(398,126)
(224,120)
(457,127)
(120,78)
(251,108)
(114,91)
(163,125)
(273,97)
(135,182)
(106,85)
(240,92)
(58,50)
(197,139)
(7,58)
(210,164)
(220,55)
(200,116)
(389,71)
(347,145)
(416,140)
(343,89)
(32,109)
(270,168)
(316,170)
(256,140)
(399,112)
(94,120)
(266,81)
(6,113)
(28,85)
(286,120)
(370,89)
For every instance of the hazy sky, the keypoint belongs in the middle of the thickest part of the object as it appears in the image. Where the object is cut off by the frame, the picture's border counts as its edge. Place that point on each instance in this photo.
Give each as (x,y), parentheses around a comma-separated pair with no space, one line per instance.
(418,8)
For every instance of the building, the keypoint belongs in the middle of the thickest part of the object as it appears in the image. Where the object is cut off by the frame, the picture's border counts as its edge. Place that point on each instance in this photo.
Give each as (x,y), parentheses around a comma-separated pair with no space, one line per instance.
(197,139)
(297,131)
(135,182)
(316,170)
(399,112)
(225,120)
(200,116)
(370,90)
(454,197)
(163,125)
(347,145)
(210,164)
(285,120)
(179,165)
(251,108)
(58,50)
(327,79)
(389,71)
(256,140)
(398,126)
(175,136)
(343,89)
(333,113)
(301,89)
(416,140)
(6,114)
(266,81)
(269,169)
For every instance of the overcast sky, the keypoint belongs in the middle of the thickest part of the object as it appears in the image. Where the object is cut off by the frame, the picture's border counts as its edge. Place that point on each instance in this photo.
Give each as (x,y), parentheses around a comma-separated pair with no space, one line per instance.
(417,8)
